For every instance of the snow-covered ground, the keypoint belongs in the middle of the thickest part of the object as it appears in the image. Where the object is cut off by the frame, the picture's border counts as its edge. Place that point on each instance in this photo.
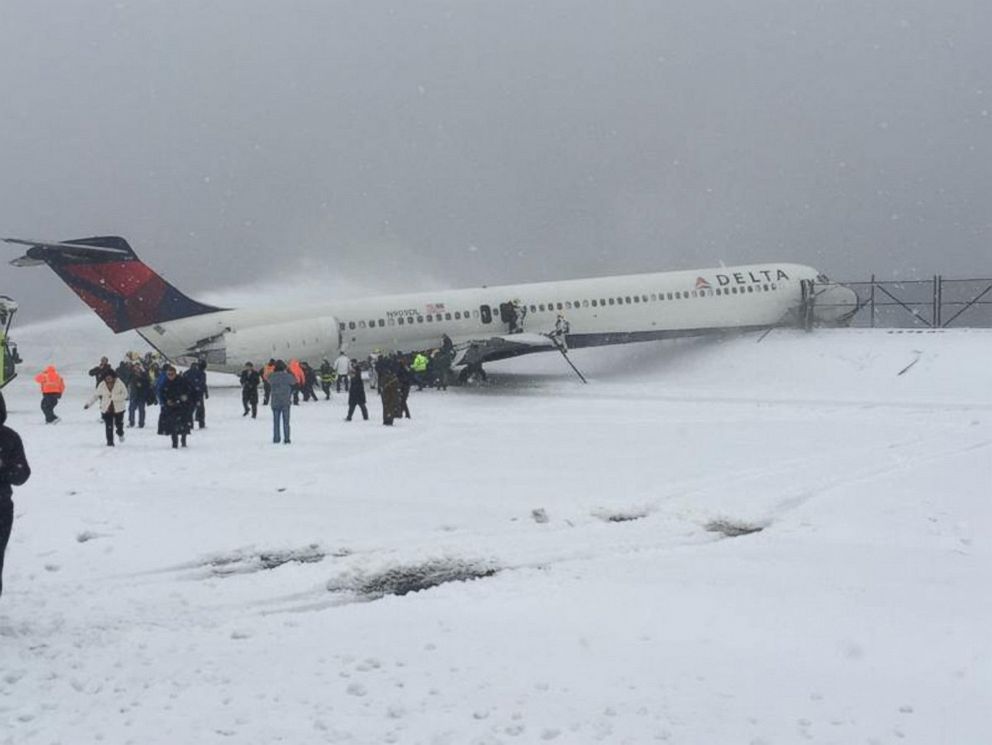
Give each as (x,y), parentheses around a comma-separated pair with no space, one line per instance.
(241,591)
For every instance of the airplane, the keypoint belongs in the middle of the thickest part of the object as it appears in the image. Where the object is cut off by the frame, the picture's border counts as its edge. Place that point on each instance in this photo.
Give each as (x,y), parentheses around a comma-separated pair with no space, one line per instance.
(484,324)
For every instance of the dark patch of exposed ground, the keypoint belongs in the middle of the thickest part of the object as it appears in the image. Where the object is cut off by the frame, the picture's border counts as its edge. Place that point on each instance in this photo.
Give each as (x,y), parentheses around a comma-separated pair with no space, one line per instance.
(402,580)
(733,528)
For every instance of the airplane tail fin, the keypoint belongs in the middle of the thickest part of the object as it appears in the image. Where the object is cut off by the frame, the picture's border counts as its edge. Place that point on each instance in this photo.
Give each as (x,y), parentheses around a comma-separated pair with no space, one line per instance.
(110,278)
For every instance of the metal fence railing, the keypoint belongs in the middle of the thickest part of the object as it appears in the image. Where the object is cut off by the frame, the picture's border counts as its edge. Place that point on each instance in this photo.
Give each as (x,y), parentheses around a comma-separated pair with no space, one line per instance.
(929,303)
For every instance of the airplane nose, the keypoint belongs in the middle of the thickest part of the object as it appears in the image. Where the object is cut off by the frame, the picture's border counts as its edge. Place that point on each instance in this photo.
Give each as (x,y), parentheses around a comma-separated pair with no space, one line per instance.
(836,305)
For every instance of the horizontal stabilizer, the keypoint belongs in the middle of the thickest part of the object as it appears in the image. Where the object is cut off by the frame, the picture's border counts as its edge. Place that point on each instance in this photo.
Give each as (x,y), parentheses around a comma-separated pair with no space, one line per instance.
(110,278)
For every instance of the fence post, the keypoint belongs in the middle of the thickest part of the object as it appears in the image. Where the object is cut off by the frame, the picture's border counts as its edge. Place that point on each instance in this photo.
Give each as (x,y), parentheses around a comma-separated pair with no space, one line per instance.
(939,322)
(872,301)
(935,304)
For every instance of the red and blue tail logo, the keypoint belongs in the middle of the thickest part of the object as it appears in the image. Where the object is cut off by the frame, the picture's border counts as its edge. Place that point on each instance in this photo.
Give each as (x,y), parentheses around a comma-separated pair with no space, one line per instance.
(110,278)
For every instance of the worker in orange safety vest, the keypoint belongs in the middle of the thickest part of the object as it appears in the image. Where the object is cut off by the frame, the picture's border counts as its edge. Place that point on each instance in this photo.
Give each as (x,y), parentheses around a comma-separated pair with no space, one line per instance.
(52,388)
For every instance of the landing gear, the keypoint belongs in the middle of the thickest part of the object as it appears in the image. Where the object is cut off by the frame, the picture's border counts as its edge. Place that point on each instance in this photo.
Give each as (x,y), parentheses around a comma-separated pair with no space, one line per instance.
(472,373)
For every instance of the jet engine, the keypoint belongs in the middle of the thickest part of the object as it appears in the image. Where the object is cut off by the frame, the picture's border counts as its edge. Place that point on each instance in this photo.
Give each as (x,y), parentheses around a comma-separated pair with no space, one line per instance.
(310,339)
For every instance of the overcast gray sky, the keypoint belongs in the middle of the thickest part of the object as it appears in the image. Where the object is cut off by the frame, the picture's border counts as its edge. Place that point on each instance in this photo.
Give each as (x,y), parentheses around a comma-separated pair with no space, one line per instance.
(408,145)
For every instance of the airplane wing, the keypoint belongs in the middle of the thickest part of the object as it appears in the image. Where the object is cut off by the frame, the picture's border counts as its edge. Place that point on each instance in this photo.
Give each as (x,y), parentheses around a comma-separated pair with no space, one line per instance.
(500,348)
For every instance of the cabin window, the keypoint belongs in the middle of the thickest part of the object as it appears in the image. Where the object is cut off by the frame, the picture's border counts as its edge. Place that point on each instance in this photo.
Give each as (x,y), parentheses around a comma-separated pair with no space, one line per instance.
(351,325)
(430,318)
(361,324)
(594,303)
(627,300)
(382,322)
(487,314)
(774,287)
(636,299)
(669,296)
(568,304)
(541,306)
(765,287)
(341,326)
(653,297)
(585,303)
(447,316)
(533,309)
(400,320)
(420,319)
(391,321)
(612,301)
(750,288)
(559,306)
(458,315)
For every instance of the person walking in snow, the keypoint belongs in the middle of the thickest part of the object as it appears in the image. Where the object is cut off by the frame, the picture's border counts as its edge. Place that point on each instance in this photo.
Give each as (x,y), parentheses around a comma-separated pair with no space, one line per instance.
(372,362)
(327,376)
(249,389)
(138,392)
(309,382)
(270,367)
(356,394)
(404,378)
(14,471)
(176,399)
(388,388)
(196,376)
(99,372)
(112,395)
(294,369)
(341,366)
(52,388)
(282,383)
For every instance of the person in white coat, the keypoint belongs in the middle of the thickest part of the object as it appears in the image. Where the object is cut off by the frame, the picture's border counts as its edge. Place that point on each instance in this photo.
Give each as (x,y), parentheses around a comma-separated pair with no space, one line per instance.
(112,395)
(341,366)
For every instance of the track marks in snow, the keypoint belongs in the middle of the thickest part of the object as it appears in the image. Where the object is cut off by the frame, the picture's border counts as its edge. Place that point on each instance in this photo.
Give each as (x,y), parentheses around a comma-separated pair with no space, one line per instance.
(404,579)
(250,560)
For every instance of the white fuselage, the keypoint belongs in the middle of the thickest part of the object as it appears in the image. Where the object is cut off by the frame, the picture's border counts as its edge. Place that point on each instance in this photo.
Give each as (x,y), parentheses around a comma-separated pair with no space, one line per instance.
(601,310)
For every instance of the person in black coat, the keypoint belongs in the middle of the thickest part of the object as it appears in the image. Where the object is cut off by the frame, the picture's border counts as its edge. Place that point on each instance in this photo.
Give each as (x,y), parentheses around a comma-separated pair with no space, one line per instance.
(249,389)
(405,377)
(99,373)
(196,376)
(178,399)
(14,471)
(137,395)
(356,393)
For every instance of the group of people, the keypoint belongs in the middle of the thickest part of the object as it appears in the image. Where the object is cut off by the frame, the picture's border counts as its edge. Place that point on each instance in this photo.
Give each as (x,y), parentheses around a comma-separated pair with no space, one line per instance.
(132,386)
(139,382)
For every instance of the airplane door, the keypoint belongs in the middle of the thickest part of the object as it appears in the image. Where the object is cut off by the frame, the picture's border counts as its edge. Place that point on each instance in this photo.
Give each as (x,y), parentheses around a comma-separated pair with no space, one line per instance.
(507,313)
(486,313)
